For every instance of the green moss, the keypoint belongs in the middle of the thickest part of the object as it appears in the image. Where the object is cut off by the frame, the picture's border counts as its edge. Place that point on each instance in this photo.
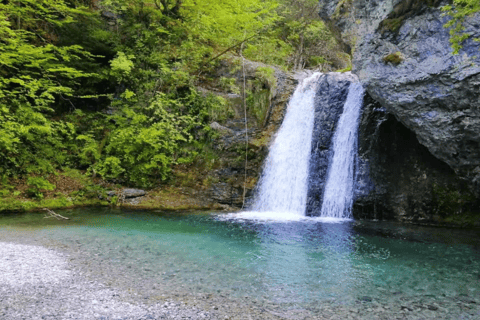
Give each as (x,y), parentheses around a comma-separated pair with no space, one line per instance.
(258,104)
(393,58)
(259,93)
(349,68)
(391,25)
(448,201)
(342,9)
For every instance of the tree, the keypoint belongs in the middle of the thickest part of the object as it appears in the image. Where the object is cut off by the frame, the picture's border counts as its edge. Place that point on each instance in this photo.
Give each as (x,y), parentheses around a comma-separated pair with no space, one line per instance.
(34,74)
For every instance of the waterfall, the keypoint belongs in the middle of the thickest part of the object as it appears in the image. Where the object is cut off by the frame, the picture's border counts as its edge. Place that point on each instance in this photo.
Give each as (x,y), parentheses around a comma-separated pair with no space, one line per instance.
(281,193)
(282,189)
(338,194)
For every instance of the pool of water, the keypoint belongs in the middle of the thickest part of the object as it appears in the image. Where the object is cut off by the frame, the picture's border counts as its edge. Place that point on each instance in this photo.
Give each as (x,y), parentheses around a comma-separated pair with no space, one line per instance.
(298,263)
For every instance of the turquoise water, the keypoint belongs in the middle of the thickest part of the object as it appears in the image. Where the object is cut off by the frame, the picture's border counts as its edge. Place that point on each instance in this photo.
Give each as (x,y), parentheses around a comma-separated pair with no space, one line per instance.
(289,263)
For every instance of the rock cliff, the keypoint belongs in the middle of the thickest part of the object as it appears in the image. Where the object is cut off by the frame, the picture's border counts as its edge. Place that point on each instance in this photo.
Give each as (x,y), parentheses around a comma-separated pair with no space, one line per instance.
(420,134)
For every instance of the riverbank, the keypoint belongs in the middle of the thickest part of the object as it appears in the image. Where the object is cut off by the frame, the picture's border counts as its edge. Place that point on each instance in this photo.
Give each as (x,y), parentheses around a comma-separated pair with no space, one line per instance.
(73,188)
(188,191)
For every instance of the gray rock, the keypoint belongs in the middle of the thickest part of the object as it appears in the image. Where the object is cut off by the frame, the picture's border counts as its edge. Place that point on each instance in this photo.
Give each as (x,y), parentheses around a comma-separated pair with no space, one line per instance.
(127,193)
(228,194)
(432,92)
(111,193)
(224,130)
(109,15)
(133,193)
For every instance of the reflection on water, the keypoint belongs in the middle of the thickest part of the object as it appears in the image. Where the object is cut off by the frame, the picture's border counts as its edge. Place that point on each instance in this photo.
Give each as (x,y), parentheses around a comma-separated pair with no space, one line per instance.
(300,262)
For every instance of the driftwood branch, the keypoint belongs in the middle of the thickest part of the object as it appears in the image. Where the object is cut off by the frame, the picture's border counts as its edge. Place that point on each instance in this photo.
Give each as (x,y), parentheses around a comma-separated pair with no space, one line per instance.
(53,214)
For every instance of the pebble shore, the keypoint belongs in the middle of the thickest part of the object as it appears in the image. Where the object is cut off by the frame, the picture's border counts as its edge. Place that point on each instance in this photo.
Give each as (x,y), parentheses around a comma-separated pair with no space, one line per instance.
(38,283)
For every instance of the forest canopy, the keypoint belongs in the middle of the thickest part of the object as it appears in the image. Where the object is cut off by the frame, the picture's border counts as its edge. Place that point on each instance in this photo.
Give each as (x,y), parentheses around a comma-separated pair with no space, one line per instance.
(110,87)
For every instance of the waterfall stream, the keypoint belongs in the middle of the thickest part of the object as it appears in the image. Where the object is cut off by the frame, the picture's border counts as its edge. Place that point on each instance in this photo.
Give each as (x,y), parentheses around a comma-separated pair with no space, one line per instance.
(283,185)
(282,189)
(338,194)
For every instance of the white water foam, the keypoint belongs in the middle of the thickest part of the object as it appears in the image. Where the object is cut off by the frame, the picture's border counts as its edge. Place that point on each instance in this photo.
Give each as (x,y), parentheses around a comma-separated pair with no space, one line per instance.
(338,194)
(275,216)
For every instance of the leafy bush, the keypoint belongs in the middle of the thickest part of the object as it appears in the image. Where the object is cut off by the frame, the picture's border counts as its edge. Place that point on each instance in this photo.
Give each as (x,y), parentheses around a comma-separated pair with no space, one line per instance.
(38,185)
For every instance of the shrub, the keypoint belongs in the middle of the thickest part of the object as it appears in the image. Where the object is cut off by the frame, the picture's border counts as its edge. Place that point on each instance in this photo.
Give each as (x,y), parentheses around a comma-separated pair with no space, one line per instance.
(37,186)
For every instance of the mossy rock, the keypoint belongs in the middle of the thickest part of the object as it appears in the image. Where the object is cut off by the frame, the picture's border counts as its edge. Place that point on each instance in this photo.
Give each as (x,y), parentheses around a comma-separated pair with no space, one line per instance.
(394,58)
(404,10)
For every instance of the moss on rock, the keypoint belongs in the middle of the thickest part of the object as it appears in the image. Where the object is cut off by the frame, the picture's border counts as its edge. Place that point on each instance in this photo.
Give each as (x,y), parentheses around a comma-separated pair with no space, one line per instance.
(394,58)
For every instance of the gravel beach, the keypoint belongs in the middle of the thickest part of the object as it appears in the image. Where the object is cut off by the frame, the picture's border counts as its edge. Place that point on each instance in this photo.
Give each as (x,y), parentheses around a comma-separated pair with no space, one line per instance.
(39,283)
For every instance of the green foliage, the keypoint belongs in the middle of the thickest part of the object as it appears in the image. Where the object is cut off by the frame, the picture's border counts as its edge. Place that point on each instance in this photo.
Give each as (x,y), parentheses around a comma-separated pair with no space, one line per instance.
(38,185)
(122,66)
(35,75)
(148,141)
(458,11)
(258,103)
(303,39)
(267,76)
(229,84)
(226,22)
(219,109)
(117,98)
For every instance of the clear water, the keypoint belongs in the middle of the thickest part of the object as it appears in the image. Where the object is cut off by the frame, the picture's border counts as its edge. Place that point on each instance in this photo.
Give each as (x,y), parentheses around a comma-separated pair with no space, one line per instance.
(306,264)
(338,194)
(283,186)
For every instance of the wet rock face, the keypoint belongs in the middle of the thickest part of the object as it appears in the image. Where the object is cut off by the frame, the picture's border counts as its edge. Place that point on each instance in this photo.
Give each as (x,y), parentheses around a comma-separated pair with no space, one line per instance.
(398,178)
(228,181)
(332,91)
